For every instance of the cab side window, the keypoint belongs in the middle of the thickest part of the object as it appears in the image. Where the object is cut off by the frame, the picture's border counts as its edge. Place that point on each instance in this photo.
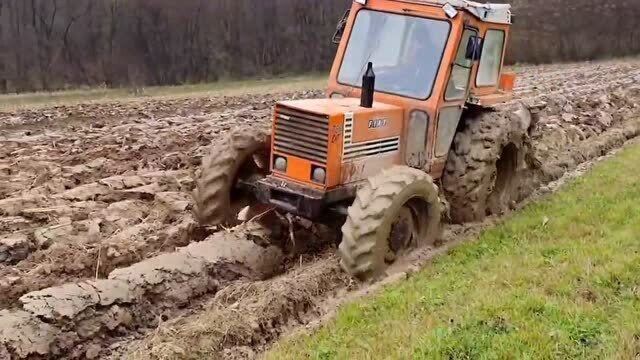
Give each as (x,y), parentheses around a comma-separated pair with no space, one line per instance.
(491,60)
(458,83)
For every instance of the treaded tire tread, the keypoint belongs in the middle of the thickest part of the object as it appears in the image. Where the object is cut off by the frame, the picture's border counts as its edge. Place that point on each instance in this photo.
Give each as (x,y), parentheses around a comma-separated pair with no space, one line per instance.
(212,195)
(368,225)
(470,174)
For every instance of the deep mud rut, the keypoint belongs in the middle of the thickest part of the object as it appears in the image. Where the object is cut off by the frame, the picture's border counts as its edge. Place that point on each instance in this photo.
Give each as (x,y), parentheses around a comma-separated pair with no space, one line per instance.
(94,204)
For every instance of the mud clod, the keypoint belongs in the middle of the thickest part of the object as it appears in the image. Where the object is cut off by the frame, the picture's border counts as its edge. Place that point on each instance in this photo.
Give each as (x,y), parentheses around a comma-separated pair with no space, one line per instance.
(175,276)
(14,248)
(175,201)
(252,260)
(22,335)
(67,301)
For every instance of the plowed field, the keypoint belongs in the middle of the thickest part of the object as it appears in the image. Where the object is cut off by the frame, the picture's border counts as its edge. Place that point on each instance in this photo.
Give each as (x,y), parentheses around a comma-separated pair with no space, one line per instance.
(98,245)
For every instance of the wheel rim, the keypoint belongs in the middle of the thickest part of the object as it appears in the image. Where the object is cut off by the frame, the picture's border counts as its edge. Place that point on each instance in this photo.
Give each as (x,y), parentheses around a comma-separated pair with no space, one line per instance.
(255,168)
(402,236)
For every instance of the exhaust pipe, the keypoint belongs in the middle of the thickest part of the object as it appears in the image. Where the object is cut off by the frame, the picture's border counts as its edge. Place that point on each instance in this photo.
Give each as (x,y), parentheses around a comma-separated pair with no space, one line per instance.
(368,87)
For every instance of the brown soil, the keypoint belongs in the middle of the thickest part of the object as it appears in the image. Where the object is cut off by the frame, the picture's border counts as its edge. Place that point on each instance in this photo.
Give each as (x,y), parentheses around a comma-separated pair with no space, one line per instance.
(249,315)
(88,189)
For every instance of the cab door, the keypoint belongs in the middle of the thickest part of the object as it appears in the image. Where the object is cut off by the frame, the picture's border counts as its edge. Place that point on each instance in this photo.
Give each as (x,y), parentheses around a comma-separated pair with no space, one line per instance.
(455,97)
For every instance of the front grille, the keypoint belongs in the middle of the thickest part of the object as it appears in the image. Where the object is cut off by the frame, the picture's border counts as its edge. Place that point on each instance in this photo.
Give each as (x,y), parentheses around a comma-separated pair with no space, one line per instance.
(301,134)
(370,148)
(352,151)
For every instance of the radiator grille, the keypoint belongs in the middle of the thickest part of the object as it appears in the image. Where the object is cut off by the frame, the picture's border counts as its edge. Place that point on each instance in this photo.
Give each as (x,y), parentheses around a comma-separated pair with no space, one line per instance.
(358,150)
(302,134)
(370,148)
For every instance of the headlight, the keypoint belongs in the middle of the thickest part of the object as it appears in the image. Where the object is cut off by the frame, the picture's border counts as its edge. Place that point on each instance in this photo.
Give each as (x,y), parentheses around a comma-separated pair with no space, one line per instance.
(337,96)
(280,164)
(319,175)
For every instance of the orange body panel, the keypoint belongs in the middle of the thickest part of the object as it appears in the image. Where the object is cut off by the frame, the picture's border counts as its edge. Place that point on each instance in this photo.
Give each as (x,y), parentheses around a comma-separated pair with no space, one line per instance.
(507,81)
(364,125)
(361,169)
(298,169)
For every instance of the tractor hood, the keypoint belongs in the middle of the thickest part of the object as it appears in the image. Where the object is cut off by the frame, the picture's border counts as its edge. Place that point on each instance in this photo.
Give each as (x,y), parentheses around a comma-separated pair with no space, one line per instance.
(359,124)
(334,107)
(334,134)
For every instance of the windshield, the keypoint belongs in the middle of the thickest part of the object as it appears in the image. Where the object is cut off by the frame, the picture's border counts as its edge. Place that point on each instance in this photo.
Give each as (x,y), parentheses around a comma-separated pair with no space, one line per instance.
(406,52)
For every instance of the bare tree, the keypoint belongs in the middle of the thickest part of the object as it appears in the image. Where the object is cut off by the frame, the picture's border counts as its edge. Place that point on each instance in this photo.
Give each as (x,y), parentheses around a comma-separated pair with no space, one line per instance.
(53,44)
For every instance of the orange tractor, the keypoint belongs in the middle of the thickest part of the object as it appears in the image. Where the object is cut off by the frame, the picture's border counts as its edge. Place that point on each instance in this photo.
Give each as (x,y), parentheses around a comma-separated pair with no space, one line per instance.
(409,107)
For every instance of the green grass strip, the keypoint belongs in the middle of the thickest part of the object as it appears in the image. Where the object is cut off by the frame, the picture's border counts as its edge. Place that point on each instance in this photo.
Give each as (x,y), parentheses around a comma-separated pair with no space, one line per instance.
(568,288)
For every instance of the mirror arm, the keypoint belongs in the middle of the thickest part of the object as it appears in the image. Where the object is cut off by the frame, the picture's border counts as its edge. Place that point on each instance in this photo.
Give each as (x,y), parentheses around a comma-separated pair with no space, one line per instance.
(342,24)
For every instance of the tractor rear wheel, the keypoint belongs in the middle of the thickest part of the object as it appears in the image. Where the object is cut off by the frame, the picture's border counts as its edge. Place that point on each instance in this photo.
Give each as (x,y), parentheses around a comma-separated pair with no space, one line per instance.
(243,155)
(485,165)
(395,211)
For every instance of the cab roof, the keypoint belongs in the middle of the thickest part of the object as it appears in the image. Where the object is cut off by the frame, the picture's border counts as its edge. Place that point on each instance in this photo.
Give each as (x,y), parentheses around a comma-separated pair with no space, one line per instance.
(495,13)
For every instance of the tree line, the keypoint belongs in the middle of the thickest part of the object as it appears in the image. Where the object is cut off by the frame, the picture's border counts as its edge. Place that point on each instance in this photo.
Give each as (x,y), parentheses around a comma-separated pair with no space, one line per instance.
(56,44)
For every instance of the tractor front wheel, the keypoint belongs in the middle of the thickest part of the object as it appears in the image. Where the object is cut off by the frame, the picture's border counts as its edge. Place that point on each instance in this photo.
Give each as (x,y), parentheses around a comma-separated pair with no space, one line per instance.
(394,212)
(243,155)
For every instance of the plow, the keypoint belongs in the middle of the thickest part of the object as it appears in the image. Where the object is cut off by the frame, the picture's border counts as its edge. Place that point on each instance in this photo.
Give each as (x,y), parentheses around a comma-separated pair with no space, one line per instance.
(115,218)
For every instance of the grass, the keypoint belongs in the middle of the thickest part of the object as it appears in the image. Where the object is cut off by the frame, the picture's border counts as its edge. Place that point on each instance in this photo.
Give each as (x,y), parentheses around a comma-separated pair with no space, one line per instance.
(291,83)
(558,280)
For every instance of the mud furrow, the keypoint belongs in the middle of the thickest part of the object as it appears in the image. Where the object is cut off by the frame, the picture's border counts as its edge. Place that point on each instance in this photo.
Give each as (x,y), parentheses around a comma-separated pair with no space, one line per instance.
(61,116)
(72,320)
(233,326)
(93,188)
(562,78)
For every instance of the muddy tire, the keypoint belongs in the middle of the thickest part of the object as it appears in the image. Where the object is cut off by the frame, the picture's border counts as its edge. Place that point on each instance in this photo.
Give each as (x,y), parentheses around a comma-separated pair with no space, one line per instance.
(216,198)
(368,244)
(486,164)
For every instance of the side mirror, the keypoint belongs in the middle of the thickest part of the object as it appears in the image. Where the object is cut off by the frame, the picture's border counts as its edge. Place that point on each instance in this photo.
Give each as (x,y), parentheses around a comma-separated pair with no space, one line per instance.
(337,36)
(474,48)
